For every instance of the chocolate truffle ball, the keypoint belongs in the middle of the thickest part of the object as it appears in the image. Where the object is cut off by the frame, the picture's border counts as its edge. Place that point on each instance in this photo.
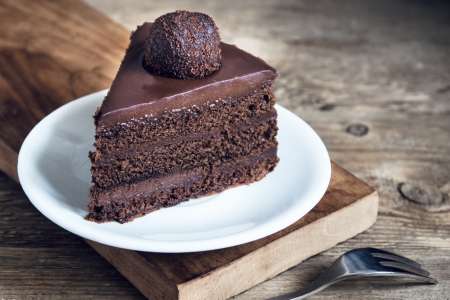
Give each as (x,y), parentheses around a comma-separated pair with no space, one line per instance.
(183,45)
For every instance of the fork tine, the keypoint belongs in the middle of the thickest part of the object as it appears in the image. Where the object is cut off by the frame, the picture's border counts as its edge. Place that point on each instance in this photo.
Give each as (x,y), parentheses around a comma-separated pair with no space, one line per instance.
(393,256)
(405,268)
(399,260)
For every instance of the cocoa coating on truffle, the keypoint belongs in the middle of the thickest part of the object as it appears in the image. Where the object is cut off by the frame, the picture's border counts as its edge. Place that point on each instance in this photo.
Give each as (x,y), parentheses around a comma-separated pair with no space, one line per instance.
(183,45)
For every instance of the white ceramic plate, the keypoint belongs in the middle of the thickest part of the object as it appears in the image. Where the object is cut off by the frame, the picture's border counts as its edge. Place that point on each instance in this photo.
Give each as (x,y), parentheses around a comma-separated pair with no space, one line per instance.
(54,172)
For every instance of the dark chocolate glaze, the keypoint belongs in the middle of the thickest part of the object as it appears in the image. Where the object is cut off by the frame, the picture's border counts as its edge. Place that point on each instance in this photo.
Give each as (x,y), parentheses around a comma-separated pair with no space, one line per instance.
(137,93)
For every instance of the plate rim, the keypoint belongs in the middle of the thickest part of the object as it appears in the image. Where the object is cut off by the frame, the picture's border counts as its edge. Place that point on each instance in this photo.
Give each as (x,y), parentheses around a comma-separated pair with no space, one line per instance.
(106,237)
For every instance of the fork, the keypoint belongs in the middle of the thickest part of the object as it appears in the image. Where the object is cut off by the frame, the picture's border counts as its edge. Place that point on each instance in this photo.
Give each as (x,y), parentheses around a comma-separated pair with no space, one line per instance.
(363,263)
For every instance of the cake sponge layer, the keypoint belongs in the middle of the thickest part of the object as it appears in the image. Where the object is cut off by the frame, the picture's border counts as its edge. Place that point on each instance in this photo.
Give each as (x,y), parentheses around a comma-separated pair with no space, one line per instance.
(184,153)
(214,114)
(124,203)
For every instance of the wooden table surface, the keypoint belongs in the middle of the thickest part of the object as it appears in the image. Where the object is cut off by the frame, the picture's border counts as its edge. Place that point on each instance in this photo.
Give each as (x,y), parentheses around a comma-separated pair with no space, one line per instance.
(373,78)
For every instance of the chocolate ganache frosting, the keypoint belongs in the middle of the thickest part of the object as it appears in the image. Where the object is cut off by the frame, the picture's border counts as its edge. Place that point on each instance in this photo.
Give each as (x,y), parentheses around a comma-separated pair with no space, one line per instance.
(136,92)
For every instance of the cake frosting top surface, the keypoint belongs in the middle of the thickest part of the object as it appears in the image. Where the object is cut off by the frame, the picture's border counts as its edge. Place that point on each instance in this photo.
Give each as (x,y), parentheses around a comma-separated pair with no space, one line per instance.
(136,89)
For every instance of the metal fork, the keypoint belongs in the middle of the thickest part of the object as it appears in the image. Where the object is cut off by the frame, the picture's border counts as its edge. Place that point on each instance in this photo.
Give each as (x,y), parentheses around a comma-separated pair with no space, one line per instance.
(363,263)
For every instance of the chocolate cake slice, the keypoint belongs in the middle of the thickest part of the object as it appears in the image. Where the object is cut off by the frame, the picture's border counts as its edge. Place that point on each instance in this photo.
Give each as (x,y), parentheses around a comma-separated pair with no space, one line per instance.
(186,116)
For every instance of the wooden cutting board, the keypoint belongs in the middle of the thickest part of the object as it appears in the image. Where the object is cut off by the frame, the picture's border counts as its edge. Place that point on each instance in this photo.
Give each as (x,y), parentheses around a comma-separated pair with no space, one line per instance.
(52,52)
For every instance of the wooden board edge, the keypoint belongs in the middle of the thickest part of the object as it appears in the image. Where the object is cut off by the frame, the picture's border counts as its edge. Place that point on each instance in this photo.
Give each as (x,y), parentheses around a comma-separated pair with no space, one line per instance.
(283,253)
(146,277)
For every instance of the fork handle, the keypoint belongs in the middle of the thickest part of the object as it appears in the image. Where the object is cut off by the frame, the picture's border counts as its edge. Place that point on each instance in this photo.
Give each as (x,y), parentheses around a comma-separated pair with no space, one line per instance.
(330,277)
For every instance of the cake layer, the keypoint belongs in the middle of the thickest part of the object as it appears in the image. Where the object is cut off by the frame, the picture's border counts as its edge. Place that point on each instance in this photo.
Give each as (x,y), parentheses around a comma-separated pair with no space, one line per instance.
(216,114)
(200,150)
(127,202)
(126,151)
(136,92)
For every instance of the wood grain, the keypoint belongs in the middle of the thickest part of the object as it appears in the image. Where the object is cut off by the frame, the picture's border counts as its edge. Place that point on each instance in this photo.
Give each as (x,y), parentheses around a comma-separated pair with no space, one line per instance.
(50,52)
(383,65)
